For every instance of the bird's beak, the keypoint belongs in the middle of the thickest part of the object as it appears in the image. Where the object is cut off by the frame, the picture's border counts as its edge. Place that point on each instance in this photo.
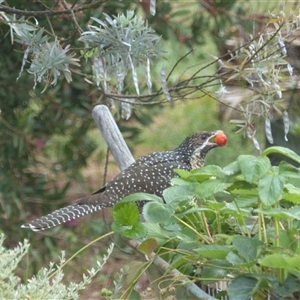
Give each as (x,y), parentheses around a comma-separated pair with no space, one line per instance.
(214,134)
(210,141)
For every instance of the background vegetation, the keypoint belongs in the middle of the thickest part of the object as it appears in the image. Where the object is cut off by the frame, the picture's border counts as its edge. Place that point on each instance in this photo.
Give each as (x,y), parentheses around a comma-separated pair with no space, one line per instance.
(51,151)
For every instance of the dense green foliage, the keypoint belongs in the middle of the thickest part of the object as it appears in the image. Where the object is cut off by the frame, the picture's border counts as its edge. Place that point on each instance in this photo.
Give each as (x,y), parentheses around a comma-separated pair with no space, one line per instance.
(251,239)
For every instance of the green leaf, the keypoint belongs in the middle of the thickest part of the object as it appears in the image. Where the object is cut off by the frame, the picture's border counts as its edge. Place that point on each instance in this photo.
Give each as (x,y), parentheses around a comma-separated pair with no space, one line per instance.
(284,151)
(202,174)
(148,246)
(281,213)
(270,188)
(278,213)
(235,259)
(192,211)
(187,235)
(287,239)
(209,170)
(154,230)
(180,261)
(292,189)
(253,168)
(220,263)
(137,230)
(214,205)
(176,194)
(289,171)
(210,187)
(126,214)
(287,288)
(293,193)
(213,251)
(126,220)
(179,181)
(248,248)
(246,200)
(155,212)
(183,173)
(243,287)
(142,197)
(295,212)
(232,169)
(212,274)
(243,187)
(282,261)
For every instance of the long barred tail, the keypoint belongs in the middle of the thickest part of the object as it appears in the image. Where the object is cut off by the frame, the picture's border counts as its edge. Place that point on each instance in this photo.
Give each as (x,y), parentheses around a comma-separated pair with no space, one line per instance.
(61,216)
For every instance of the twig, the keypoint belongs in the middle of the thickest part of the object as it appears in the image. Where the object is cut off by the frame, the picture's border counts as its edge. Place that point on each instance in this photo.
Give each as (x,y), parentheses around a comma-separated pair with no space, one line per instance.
(79,29)
(178,62)
(11,10)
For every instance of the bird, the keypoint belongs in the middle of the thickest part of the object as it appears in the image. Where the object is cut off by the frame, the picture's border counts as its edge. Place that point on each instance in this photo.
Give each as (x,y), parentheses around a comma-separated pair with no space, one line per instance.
(149,174)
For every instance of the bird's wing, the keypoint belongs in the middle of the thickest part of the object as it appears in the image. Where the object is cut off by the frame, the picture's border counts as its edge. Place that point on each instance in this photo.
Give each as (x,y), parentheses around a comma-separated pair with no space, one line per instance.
(157,158)
(101,190)
(149,179)
(149,174)
(150,160)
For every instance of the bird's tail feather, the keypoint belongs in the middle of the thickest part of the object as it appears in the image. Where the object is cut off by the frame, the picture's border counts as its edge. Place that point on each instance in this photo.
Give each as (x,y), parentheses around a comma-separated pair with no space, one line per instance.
(61,216)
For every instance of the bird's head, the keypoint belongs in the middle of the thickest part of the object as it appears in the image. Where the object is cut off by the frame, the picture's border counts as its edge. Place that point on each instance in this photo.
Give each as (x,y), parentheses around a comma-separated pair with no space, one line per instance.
(199,144)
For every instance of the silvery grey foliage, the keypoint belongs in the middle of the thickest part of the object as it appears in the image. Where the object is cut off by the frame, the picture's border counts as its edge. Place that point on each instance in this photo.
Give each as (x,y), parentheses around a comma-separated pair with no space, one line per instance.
(48,60)
(119,45)
(47,284)
(121,48)
(265,67)
(9,260)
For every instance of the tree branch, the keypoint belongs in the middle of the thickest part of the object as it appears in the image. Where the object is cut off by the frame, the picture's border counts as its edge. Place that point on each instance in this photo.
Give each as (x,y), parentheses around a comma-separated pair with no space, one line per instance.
(42,13)
(113,136)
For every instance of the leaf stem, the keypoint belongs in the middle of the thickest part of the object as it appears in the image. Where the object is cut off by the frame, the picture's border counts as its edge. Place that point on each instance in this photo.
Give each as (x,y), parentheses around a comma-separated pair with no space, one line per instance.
(243,220)
(201,236)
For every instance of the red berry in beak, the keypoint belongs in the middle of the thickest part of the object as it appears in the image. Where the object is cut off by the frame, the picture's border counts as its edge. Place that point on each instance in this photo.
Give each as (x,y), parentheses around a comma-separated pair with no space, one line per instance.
(221,139)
